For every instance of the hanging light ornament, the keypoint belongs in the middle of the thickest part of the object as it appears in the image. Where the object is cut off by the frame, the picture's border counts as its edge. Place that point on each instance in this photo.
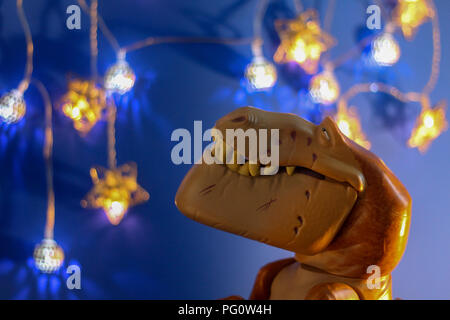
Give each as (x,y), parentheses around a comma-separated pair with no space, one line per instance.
(119,77)
(114,191)
(430,124)
(410,14)
(385,50)
(350,125)
(12,107)
(48,256)
(324,88)
(84,103)
(260,74)
(302,41)
(12,104)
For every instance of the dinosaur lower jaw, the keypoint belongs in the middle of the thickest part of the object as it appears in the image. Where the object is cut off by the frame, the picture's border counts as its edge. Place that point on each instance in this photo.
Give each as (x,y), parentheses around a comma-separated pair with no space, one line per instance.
(301,213)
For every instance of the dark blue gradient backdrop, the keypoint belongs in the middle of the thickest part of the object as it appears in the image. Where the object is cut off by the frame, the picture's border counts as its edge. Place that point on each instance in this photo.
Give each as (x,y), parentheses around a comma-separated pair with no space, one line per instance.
(157,253)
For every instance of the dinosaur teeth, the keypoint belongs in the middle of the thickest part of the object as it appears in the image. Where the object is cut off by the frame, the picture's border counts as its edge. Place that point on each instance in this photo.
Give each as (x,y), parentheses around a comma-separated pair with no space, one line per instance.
(244,169)
(290,170)
(254,169)
(233,166)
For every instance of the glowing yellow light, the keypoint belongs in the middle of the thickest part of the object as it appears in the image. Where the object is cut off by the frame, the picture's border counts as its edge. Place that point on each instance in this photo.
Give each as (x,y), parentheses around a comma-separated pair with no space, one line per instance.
(410,14)
(324,88)
(302,41)
(430,124)
(12,107)
(350,125)
(120,77)
(114,191)
(260,74)
(84,103)
(48,256)
(385,50)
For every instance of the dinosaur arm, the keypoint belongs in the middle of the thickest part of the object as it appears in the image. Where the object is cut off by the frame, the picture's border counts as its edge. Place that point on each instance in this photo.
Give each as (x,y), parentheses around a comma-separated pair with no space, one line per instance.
(332,291)
(264,279)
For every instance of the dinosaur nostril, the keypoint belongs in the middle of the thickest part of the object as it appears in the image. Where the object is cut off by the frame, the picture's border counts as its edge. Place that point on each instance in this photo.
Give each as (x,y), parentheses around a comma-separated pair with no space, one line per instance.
(293,135)
(239,119)
(307,194)
(300,219)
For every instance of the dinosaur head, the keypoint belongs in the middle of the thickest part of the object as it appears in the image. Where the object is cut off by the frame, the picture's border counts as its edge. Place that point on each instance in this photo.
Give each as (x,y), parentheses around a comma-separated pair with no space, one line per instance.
(320,186)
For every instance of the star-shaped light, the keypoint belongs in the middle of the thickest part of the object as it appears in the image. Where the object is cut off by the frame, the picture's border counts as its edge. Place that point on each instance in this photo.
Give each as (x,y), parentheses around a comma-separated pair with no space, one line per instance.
(410,14)
(302,41)
(115,190)
(350,125)
(84,103)
(430,124)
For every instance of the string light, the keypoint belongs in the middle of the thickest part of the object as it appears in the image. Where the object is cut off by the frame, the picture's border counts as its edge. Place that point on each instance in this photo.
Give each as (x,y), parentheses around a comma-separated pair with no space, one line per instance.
(324,88)
(260,74)
(385,49)
(302,41)
(12,104)
(48,256)
(119,77)
(12,107)
(84,103)
(410,14)
(430,124)
(114,191)
(350,125)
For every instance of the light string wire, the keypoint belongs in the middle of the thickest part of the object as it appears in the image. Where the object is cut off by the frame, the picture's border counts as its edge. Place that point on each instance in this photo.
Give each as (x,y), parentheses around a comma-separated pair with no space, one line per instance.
(23,86)
(298,4)
(327,25)
(329,15)
(111,110)
(121,51)
(422,97)
(93,37)
(436,60)
(48,157)
(258,42)
(111,134)
(48,134)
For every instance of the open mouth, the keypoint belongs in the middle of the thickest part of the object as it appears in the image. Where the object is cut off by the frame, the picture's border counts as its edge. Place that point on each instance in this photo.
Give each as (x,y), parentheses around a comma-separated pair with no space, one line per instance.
(240,164)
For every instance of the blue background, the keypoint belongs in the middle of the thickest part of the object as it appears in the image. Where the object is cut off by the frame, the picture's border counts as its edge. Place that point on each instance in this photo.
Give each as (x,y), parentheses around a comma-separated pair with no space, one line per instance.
(156,252)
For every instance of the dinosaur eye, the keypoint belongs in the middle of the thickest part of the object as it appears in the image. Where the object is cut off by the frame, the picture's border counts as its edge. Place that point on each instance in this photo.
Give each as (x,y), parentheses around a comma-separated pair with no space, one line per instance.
(325,133)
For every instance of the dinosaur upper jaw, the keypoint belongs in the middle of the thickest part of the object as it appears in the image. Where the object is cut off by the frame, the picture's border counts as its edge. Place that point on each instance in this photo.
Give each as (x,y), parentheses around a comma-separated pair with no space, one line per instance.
(301,211)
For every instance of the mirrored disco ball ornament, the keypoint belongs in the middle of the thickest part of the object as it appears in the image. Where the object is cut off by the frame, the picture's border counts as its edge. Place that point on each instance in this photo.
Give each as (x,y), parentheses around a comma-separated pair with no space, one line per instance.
(324,88)
(120,77)
(48,256)
(12,107)
(385,50)
(260,74)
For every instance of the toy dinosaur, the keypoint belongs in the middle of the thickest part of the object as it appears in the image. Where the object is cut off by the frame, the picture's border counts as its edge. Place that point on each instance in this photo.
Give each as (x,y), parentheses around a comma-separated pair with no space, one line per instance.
(340,210)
